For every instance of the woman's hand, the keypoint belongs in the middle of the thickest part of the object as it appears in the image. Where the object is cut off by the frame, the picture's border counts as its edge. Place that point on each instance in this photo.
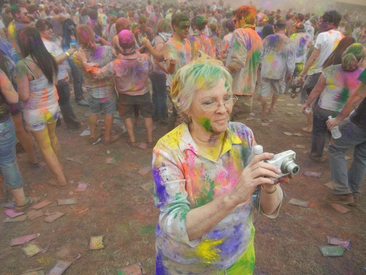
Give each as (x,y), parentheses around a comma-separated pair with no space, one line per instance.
(333,122)
(256,173)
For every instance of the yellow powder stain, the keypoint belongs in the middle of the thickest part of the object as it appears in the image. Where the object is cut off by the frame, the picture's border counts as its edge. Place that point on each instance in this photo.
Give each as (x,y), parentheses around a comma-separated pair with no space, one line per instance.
(270,58)
(208,252)
(45,260)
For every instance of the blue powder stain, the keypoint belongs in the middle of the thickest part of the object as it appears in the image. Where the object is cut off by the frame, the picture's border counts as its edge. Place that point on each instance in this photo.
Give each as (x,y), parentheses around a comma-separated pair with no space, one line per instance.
(159,267)
(232,243)
(160,188)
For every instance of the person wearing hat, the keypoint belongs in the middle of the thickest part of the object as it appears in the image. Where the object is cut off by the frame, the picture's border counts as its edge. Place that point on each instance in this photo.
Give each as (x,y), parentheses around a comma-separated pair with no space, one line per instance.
(278,64)
(131,73)
(302,41)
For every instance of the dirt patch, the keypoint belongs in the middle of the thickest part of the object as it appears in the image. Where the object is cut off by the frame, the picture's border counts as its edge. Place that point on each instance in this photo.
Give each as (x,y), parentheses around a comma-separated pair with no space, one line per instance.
(119,205)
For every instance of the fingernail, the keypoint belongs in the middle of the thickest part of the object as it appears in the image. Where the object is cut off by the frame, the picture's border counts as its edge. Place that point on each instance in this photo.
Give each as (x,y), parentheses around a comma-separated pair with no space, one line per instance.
(278,171)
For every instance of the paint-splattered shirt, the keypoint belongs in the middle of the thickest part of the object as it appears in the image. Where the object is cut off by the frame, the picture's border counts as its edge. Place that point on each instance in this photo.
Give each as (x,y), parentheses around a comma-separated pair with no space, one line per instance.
(339,86)
(130,73)
(278,57)
(245,51)
(326,42)
(98,88)
(181,52)
(200,42)
(301,41)
(187,178)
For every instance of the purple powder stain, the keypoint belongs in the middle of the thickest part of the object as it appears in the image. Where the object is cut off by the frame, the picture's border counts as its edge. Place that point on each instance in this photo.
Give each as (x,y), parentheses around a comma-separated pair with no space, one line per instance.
(159,266)
(232,243)
(160,188)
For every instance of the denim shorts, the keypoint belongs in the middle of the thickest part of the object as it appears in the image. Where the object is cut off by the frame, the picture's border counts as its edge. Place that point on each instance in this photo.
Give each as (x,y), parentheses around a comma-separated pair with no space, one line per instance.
(37,119)
(106,104)
(8,165)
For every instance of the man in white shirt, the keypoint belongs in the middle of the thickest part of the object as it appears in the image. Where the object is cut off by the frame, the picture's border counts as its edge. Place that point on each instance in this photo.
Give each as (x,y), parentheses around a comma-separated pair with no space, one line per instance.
(325,43)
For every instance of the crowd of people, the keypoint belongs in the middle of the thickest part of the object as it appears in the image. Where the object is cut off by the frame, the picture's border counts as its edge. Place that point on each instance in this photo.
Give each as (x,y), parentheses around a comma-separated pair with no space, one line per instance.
(210,61)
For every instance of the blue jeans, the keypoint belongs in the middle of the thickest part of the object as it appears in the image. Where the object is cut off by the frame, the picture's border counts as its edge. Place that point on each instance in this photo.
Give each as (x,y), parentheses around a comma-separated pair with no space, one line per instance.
(8,164)
(77,76)
(348,182)
(320,130)
(159,95)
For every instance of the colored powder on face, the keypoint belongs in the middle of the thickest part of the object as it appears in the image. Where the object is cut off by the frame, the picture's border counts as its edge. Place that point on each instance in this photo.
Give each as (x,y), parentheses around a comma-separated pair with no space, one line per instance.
(208,252)
(205,123)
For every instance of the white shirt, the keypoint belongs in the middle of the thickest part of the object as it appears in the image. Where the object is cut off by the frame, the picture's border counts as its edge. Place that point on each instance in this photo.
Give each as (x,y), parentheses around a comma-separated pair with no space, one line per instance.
(326,42)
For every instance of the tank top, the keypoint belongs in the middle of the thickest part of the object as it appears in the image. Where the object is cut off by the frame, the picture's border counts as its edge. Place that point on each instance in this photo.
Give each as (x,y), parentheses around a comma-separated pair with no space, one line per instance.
(41,93)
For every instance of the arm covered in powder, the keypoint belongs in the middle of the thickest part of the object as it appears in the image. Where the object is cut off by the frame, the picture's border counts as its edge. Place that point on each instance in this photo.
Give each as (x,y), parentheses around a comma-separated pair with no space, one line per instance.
(238,53)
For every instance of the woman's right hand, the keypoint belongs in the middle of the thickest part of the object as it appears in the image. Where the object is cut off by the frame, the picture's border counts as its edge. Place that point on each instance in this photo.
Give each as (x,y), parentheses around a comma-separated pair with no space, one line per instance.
(256,173)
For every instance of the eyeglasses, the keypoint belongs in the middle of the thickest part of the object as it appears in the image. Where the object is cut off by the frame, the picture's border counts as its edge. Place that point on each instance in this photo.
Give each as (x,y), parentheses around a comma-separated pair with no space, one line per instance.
(212,105)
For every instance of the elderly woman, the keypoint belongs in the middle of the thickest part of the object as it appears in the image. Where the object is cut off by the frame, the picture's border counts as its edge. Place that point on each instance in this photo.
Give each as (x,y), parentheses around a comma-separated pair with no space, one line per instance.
(204,180)
(335,85)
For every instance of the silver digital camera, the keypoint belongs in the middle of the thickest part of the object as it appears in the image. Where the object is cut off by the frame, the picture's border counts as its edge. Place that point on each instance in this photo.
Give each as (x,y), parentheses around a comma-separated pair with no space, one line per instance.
(285,161)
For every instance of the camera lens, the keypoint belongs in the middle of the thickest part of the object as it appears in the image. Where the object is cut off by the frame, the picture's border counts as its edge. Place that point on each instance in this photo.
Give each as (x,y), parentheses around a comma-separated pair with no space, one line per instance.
(292,168)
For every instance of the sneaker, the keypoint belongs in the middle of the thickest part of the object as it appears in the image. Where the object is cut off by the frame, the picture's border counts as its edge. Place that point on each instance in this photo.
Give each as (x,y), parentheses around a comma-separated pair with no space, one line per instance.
(341,199)
(83,103)
(317,159)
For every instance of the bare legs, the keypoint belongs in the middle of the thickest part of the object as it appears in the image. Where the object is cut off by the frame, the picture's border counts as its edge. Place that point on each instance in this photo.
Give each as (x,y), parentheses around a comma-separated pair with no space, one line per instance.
(25,138)
(263,100)
(274,101)
(49,146)
(93,118)
(148,125)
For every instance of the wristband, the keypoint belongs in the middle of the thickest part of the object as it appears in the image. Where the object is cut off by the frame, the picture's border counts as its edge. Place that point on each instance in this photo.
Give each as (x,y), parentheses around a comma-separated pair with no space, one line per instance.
(67,53)
(269,193)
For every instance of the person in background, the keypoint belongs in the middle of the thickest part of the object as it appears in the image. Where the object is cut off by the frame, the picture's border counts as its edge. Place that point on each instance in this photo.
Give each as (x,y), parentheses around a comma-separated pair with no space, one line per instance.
(230,26)
(21,19)
(107,31)
(278,64)
(145,30)
(84,17)
(56,22)
(267,30)
(200,42)
(130,72)
(243,60)
(94,22)
(36,76)
(69,41)
(45,29)
(301,41)
(8,163)
(347,184)
(325,43)
(336,84)
(158,75)
(101,93)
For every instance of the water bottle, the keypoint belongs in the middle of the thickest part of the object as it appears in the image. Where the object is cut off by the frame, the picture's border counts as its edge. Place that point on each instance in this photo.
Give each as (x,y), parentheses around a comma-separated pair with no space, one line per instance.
(308,110)
(336,133)
(73,43)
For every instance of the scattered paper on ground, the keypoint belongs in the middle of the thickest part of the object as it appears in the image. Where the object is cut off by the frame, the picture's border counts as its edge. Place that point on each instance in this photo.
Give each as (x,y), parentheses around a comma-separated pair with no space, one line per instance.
(12,214)
(75,160)
(81,187)
(96,242)
(54,216)
(313,174)
(17,219)
(66,201)
(288,133)
(59,268)
(301,203)
(23,239)
(31,249)
(346,244)
(329,185)
(340,208)
(331,251)
(41,204)
(299,146)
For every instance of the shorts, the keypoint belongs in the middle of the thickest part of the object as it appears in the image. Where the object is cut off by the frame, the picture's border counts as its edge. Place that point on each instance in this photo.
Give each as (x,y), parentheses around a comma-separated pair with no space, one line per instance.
(127,103)
(36,120)
(106,104)
(267,85)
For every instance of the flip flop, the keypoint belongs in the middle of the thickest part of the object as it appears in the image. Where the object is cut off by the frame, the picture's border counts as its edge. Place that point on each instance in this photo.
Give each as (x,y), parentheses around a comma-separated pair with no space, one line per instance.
(28,202)
(150,144)
(132,144)
(58,186)
(95,141)
(114,139)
